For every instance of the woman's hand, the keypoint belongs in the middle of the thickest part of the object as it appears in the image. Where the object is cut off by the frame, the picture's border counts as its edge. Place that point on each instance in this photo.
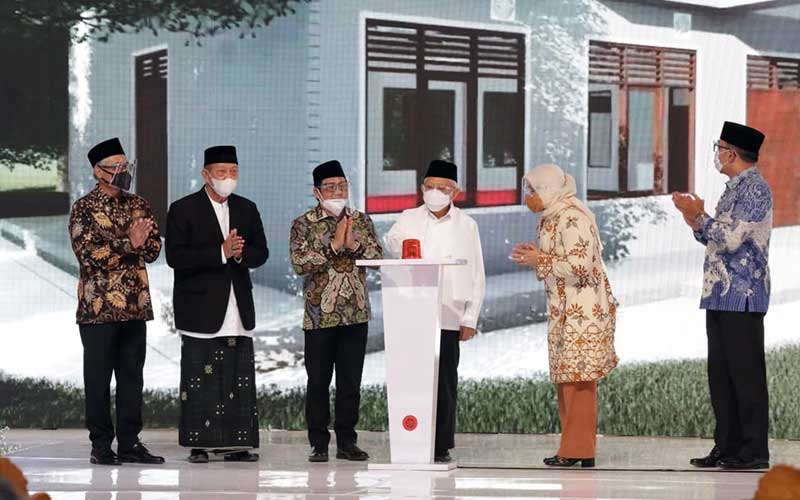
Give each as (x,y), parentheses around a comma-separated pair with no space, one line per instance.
(526,254)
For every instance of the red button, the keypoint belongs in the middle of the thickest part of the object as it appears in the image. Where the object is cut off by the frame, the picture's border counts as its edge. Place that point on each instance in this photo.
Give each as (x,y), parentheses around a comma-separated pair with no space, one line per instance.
(410,423)
(411,249)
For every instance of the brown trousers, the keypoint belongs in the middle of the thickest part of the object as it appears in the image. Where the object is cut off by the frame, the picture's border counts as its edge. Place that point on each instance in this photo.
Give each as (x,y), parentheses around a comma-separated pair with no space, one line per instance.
(577,409)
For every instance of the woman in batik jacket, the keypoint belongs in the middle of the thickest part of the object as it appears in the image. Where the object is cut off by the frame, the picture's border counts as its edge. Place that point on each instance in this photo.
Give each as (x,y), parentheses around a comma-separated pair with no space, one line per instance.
(581,307)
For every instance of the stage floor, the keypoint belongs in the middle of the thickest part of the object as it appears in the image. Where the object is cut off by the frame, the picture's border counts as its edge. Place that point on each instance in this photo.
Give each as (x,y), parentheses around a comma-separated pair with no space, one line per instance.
(490,466)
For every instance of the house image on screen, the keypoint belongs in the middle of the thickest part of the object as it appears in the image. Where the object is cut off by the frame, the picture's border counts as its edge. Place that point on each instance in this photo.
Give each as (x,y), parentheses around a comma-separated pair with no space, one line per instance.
(627,96)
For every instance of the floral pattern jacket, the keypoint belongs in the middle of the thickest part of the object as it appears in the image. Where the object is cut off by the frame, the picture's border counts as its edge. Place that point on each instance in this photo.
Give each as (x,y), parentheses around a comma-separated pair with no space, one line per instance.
(581,306)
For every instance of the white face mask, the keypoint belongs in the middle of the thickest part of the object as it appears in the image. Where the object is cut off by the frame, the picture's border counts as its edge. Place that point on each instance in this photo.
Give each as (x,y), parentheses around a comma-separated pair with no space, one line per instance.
(717,163)
(435,200)
(225,187)
(334,205)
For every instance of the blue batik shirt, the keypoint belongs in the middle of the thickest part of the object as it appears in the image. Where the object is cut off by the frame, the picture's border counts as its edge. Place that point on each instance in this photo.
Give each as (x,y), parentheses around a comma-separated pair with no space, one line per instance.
(736,268)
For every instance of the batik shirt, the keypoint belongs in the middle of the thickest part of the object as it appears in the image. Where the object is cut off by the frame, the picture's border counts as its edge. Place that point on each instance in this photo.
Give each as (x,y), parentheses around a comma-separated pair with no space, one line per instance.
(334,288)
(736,269)
(113,285)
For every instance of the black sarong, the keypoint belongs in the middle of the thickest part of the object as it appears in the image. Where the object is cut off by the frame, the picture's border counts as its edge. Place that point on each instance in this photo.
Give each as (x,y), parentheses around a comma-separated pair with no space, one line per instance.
(218,393)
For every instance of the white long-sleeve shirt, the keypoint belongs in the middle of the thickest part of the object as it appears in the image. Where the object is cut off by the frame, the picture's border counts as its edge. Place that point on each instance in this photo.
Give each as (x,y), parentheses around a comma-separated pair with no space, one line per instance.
(454,236)
(232,324)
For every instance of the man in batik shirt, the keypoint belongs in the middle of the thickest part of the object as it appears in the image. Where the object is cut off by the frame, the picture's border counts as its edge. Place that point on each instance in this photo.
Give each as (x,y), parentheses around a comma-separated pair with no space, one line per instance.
(325,243)
(113,235)
(736,286)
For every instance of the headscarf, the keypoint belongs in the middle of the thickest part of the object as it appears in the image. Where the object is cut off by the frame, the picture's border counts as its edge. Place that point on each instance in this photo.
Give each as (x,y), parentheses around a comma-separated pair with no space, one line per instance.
(557,190)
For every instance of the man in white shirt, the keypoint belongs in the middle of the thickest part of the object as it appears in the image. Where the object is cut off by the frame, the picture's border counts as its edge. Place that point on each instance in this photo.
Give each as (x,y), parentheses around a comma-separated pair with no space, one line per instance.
(213,239)
(444,231)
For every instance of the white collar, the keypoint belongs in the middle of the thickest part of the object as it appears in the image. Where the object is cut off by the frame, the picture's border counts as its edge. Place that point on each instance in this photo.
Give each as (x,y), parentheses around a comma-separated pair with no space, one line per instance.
(214,202)
(449,215)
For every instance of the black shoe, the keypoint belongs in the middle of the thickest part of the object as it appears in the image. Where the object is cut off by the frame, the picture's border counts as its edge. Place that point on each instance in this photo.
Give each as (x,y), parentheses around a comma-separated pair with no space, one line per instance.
(104,456)
(318,454)
(739,464)
(139,455)
(711,460)
(557,461)
(241,456)
(198,456)
(351,452)
(442,457)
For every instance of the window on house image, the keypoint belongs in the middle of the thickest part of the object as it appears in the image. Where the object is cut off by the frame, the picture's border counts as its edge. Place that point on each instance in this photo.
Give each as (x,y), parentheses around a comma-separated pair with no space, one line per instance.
(399,111)
(600,129)
(441,110)
(499,132)
(438,92)
(641,120)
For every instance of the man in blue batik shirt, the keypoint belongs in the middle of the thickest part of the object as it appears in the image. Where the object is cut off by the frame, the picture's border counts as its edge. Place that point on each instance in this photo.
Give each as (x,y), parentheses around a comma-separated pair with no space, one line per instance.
(736,297)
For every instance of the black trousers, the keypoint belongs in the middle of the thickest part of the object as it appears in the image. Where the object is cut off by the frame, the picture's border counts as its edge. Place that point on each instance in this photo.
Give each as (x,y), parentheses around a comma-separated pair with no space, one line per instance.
(117,348)
(342,347)
(449,353)
(737,381)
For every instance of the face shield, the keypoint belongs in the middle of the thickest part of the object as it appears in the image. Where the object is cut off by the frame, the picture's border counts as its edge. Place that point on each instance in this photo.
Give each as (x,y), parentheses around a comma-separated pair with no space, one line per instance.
(123,175)
(526,190)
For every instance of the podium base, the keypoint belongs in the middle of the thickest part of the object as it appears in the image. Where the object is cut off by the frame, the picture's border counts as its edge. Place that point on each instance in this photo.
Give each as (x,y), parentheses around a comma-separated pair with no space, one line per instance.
(415,467)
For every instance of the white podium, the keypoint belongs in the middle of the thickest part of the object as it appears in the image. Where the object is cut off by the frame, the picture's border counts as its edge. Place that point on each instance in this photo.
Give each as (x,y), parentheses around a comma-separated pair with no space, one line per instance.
(411,330)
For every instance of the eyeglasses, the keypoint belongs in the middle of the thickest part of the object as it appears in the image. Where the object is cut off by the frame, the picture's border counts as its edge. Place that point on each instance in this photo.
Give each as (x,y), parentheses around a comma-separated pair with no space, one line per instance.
(718,146)
(331,187)
(448,190)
